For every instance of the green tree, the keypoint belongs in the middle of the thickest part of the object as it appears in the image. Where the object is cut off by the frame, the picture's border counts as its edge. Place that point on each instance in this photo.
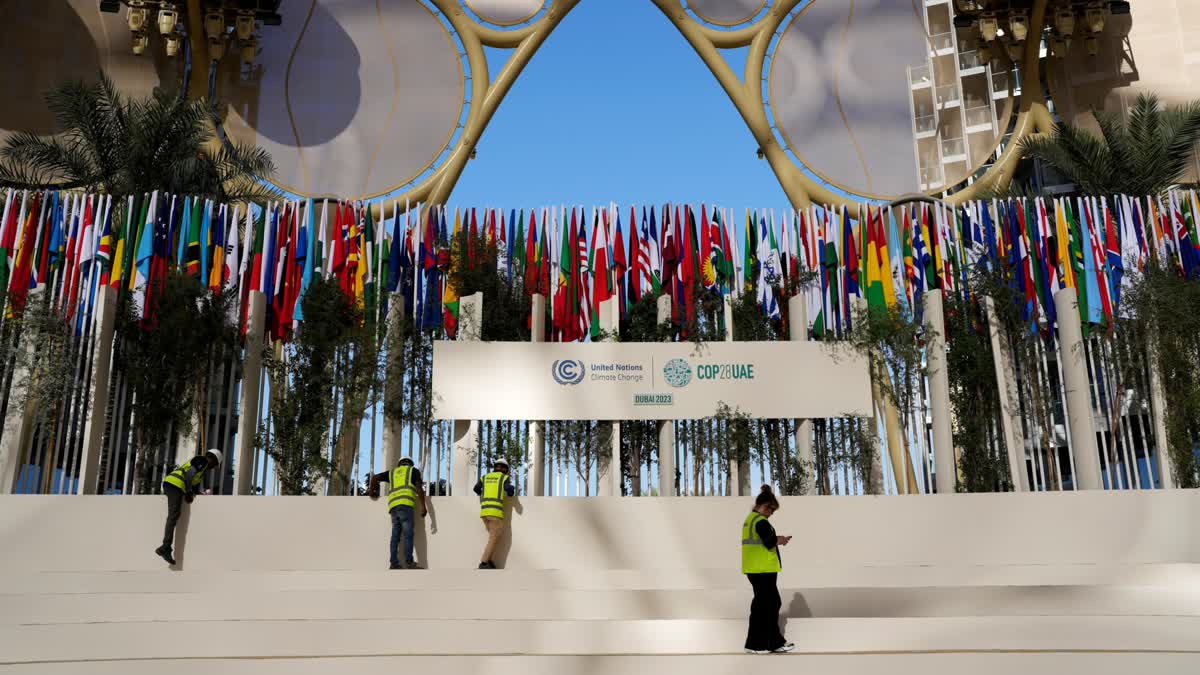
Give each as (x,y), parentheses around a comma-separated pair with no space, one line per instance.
(302,379)
(122,146)
(1142,155)
(166,360)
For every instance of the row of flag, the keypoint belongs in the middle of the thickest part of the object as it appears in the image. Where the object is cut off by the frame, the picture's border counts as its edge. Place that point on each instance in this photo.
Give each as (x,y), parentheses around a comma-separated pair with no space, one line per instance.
(74,243)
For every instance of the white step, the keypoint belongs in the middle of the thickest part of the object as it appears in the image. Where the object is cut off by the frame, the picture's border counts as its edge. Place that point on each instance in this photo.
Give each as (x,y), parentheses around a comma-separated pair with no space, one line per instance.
(164,580)
(81,533)
(317,638)
(220,605)
(945,663)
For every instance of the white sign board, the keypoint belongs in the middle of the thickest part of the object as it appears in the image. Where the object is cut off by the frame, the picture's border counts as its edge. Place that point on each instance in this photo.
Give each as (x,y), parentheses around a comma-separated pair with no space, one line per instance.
(647,380)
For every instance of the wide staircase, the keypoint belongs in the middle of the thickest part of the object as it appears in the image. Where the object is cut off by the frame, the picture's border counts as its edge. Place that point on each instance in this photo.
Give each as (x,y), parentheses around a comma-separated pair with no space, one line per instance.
(1058,583)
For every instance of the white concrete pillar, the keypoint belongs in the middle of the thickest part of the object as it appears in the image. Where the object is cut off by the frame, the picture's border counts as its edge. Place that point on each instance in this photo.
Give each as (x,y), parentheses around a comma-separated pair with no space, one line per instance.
(466,432)
(608,470)
(1158,408)
(393,380)
(939,393)
(93,427)
(666,428)
(18,418)
(537,436)
(798,332)
(1077,390)
(1010,412)
(243,467)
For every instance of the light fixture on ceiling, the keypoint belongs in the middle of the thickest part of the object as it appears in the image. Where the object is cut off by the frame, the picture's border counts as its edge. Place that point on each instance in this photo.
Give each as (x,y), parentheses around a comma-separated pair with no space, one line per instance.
(1018,23)
(989,27)
(244,24)
(1092,45)
(214,28)
(214,25)
(168,18)
(140,41)
(136,16)
(1064,22)
(173,43)
(1059,47)
(1094,17)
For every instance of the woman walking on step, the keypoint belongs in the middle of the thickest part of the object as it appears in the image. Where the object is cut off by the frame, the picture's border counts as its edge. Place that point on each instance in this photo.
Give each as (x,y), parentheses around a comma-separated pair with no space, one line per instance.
(761,564)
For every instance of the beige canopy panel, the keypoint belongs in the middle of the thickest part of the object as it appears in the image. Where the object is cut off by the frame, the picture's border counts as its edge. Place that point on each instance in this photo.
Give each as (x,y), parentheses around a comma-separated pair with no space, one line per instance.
(838,87)
(505,12)
(726,12)
(49,42)
(646,381)
(352,98)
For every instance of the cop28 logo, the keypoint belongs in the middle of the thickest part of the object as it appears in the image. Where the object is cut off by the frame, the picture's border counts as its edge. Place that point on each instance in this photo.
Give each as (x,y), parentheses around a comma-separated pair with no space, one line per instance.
(677,372)
(567,371)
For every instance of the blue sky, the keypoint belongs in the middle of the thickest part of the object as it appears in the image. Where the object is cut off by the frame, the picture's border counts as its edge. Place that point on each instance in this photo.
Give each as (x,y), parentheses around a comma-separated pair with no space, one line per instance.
(616,106)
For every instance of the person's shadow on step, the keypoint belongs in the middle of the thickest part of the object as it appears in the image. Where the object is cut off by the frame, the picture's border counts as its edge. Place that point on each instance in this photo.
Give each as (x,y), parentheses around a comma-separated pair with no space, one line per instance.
(421,535)
(798,608)
(511,505)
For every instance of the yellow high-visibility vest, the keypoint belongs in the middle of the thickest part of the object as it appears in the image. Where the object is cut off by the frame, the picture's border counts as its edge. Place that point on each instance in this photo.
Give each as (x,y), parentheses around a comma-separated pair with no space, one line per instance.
(491,502)
(757,558)
(402,492)
(176,477)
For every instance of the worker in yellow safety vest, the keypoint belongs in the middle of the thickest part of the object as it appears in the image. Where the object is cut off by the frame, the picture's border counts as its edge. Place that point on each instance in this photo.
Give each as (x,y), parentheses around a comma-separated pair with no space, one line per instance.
(761,564)
(182,485)
(405,488)
(493,489)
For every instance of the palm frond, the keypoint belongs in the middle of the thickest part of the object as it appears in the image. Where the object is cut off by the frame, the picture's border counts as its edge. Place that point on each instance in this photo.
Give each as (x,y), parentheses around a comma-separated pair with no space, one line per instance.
(1180,128)
(133,146)
(55,160)
(1076,152)
(1116,138)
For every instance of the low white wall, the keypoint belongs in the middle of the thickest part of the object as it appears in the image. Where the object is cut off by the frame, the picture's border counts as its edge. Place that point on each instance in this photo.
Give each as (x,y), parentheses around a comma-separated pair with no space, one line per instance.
(71,533)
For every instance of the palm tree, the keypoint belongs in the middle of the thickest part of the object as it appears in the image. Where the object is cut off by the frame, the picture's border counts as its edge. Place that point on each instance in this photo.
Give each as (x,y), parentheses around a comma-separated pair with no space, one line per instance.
(126,146)
(1144,155)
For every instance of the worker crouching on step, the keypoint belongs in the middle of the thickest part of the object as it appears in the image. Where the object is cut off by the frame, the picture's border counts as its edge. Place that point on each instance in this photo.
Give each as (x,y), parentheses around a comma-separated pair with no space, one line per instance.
(493,489)
(182,485)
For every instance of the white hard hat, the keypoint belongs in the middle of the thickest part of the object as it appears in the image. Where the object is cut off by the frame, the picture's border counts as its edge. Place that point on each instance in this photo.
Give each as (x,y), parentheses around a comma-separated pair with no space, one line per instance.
(501,462)
(217,454)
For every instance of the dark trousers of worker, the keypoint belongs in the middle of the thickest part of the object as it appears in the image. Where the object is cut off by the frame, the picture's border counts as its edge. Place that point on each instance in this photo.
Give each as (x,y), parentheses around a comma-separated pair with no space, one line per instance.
(764,614)
(402,527)
(174,507)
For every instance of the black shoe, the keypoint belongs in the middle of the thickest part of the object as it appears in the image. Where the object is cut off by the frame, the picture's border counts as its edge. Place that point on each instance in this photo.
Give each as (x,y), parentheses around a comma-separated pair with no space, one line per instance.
(784,648)
(164,552)
(484,566)
(491,565)
(413,566)
(395,566)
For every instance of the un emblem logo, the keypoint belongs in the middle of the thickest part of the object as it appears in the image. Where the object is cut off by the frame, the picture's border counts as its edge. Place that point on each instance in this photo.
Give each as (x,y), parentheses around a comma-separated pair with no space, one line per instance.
(567,371)
(677,372)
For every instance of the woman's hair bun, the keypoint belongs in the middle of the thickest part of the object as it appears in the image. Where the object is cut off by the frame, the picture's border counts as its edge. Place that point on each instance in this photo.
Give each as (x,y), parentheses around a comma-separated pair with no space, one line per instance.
(766,489)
